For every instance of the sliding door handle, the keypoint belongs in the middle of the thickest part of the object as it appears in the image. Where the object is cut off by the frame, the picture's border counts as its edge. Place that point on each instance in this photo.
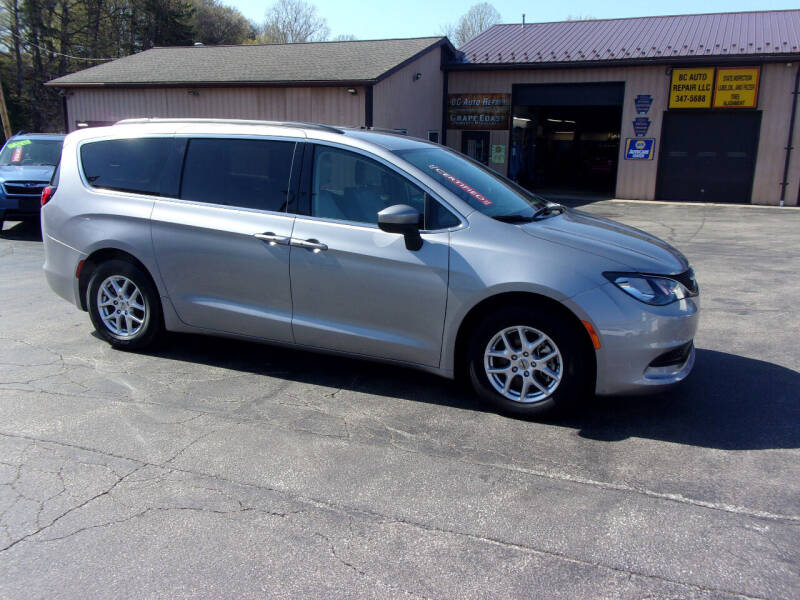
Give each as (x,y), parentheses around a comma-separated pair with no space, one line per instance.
(273,239)
(311,244)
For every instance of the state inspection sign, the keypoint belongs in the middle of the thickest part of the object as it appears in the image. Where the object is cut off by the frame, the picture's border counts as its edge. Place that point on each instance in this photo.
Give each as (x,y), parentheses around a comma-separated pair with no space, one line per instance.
(737,87)
(691,88)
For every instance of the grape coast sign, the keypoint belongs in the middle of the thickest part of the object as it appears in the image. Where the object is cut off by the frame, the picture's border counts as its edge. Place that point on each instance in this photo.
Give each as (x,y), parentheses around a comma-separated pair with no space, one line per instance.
(478,111)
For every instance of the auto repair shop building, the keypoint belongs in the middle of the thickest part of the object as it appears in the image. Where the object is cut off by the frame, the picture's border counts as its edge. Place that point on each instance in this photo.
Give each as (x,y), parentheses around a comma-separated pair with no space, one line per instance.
(394,84)
(688,107)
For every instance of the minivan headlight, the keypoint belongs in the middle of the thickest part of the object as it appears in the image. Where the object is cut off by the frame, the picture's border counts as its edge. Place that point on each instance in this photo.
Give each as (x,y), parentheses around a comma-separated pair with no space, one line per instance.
(650,289)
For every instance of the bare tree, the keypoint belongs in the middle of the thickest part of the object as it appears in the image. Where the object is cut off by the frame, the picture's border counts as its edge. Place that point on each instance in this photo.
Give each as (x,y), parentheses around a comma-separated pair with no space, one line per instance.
(477,19)
(15,31)
(292,21)
(344,37)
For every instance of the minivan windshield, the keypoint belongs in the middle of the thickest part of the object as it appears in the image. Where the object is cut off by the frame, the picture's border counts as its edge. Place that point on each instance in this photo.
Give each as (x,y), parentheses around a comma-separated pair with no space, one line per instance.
(31,152)
(477,185)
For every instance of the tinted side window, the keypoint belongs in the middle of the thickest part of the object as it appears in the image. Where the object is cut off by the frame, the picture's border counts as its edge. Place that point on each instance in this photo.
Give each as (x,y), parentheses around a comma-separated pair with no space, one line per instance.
(438,217)
(235,172)
(350,187)
(129,165)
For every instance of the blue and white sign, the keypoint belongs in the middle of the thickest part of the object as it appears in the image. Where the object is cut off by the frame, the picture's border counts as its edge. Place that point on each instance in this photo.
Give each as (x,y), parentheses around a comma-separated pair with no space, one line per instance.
(639,148)
(640,126)
(643,103)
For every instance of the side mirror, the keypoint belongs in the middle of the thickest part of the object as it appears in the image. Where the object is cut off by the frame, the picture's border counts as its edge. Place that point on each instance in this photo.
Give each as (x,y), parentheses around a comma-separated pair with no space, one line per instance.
(402,219)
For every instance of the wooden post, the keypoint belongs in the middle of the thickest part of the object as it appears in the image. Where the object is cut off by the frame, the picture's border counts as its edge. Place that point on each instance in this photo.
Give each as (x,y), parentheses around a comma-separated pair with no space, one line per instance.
(4,113)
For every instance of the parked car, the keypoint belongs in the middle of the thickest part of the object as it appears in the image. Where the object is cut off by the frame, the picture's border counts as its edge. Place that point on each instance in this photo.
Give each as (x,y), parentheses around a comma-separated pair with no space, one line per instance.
(27,162)
(366,244)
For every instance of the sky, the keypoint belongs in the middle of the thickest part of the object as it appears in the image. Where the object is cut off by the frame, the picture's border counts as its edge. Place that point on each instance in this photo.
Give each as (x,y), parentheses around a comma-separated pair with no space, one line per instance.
(416,18)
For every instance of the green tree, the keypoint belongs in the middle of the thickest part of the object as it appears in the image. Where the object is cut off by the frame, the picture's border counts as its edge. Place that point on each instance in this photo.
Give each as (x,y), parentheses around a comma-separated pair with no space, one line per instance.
(215,24)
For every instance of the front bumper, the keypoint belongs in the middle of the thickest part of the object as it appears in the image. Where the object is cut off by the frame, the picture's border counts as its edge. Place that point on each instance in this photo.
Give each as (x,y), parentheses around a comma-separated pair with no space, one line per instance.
(19,208)
(643,348)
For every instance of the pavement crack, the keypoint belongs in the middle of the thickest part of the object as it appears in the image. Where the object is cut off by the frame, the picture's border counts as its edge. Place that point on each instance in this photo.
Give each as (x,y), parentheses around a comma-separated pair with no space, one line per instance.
(55,520)
(362,573)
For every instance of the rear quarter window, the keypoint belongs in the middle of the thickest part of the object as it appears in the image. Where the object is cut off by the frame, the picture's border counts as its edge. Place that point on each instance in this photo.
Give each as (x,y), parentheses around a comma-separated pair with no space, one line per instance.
(129,165)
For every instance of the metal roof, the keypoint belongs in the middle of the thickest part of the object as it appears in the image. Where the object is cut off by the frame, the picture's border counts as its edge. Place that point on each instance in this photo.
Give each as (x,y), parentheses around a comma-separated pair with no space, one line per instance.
(741,34)
(312,63)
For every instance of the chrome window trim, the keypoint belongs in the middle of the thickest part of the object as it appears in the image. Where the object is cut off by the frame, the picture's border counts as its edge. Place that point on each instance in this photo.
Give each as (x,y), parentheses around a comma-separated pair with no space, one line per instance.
(244,209)
(359,225)
(463,223)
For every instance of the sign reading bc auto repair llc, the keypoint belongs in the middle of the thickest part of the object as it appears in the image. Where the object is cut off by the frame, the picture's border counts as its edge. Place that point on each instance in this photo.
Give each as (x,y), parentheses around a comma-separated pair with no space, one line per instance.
(691,88)
(478,111)
(737,87)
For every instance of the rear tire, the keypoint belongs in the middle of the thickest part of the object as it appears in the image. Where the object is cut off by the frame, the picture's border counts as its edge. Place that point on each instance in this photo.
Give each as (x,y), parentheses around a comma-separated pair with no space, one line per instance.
(124,305)
(527,361)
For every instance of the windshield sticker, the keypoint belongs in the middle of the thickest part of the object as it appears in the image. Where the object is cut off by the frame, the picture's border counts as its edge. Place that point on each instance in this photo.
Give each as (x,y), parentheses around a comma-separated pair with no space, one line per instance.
(461,185)
(17,156)
(17,144)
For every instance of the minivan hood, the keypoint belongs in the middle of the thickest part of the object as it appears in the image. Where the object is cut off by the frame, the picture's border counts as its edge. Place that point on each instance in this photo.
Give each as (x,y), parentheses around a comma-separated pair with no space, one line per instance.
(631,247)
(26,172)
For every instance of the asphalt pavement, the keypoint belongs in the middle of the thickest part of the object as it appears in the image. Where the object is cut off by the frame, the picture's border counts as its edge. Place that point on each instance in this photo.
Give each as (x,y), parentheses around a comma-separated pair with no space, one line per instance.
(213,468)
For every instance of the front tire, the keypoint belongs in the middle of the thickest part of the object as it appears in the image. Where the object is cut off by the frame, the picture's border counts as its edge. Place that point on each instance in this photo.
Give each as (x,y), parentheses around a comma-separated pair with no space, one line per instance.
(527,361)
(124,305)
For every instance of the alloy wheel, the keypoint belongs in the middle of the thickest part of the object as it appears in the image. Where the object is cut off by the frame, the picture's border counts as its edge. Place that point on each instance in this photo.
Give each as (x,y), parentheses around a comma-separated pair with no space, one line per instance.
(121,305)
(523,364)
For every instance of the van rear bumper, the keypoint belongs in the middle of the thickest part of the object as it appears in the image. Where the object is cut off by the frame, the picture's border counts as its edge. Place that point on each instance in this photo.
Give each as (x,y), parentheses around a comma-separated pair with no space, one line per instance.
(60,263)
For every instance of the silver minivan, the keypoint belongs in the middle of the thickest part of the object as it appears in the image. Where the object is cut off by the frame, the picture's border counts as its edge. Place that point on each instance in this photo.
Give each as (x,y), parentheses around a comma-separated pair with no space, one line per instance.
(366,244)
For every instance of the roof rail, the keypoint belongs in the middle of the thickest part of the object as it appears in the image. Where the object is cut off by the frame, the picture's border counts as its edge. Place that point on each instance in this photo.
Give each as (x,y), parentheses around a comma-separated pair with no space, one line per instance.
(384,130)
(295,124)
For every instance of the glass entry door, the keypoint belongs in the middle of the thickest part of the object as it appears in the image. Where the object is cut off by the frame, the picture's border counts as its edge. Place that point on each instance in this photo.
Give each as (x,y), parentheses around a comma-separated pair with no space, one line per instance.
(475,144)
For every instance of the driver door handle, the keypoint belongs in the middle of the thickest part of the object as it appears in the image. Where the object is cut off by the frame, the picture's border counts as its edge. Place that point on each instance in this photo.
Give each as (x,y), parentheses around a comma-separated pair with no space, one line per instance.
(311,244)
(273,239)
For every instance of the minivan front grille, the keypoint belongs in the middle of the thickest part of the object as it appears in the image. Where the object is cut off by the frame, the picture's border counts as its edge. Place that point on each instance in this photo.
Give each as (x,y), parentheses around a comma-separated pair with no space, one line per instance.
(24,189)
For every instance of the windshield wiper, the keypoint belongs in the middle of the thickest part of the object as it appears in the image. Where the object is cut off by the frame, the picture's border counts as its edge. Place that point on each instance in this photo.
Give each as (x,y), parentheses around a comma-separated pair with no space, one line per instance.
(548,210)
(544,211)
(514,218)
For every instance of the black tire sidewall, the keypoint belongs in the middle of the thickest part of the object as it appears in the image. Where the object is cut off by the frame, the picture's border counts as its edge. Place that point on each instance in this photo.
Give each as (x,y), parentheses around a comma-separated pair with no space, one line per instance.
(572,387)
(152,326)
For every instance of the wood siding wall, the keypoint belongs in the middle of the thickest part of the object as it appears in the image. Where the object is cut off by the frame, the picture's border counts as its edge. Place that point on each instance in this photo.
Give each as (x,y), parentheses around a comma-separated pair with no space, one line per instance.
(401,102)
(637,178)
(775,103)
(332,105)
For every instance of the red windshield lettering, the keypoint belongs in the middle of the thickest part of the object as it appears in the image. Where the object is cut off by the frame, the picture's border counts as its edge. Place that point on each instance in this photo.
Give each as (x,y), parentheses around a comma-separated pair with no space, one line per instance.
(461,185)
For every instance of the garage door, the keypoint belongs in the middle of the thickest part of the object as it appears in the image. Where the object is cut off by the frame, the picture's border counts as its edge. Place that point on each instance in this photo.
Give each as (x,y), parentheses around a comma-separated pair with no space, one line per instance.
(708,156)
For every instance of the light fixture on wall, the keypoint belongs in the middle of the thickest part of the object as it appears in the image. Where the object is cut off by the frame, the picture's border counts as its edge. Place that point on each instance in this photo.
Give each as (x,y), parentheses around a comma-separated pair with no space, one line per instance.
(417,76)
(193,92)
(351,91)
